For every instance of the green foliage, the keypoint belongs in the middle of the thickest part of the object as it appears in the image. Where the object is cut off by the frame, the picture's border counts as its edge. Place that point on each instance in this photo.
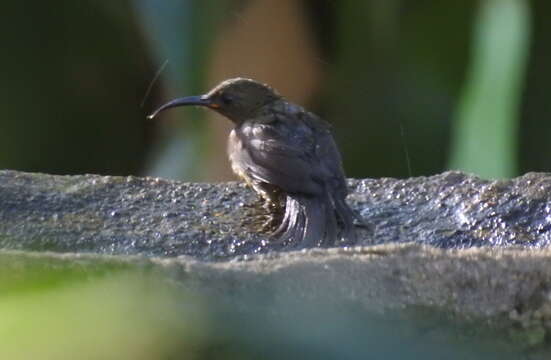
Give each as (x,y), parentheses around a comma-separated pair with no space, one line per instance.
(450,74)
(485,136)
(98,310)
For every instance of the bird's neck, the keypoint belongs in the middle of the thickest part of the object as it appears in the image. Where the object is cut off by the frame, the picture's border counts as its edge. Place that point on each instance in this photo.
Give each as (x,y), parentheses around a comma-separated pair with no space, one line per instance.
(261,113)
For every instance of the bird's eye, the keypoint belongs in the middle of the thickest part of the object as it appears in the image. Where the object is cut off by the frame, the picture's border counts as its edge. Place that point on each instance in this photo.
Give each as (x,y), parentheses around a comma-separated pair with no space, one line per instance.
(226,99)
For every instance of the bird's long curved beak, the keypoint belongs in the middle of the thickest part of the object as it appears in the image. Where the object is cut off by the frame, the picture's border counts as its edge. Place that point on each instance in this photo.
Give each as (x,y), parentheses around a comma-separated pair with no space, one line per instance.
(201,100)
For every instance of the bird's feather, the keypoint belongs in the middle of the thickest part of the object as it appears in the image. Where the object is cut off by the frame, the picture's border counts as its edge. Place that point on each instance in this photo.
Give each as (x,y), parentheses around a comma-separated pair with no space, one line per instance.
(292,152)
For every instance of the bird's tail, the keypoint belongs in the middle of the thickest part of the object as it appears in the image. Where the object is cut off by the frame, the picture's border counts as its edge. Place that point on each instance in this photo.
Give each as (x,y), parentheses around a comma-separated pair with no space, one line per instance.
(346,218)
(316,221)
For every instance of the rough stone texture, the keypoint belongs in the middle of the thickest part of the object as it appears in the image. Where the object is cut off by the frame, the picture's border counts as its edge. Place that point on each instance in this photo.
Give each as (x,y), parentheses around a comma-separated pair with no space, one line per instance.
(501,294)
(475,249)
(116,215)
(455,210)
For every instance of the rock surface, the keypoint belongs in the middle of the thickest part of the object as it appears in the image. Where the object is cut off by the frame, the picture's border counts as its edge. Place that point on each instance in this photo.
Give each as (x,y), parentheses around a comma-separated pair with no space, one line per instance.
(451,243)
(454,304)
(116,215)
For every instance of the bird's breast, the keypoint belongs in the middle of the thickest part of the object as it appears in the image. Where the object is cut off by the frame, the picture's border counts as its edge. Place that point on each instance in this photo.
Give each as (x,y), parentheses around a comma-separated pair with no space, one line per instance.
(236,154)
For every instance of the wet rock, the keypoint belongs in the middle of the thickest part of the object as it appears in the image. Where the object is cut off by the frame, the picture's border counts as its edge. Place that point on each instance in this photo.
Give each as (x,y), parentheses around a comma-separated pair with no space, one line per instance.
(156,217)
(456,210)
(450,244)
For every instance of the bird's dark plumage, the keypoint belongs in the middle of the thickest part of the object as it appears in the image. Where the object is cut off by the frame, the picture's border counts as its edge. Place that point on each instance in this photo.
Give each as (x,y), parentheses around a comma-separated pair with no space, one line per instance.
(288,156)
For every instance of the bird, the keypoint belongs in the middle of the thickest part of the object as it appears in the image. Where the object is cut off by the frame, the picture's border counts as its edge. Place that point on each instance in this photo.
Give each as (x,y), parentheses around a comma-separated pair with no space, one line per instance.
(288,156)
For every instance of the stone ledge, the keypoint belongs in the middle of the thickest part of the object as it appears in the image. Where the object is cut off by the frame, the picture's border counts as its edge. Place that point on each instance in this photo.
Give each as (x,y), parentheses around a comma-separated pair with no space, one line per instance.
(451,244)
(156,217)
(503,287)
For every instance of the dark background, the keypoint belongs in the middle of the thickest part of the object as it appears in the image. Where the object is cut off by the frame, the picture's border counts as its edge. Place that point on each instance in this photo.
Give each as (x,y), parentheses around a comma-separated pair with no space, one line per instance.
(411,87)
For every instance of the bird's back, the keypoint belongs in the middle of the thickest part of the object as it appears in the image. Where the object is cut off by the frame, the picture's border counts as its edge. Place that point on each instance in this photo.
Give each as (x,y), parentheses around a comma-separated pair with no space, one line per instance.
(293,150)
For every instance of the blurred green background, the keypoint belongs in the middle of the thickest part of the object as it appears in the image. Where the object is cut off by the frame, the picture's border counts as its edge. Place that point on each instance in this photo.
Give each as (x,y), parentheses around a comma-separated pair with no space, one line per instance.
(411,87)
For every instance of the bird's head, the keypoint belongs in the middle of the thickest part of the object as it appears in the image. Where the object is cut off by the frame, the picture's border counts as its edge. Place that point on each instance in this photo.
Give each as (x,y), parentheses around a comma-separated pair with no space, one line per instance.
(237,99)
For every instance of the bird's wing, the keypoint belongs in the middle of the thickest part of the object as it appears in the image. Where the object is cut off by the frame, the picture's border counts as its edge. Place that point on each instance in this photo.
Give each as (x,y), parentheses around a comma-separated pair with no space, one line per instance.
(285,150)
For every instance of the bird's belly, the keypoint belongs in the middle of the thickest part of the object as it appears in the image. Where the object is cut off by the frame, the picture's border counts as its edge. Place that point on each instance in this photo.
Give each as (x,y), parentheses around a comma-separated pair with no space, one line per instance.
(241,164)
